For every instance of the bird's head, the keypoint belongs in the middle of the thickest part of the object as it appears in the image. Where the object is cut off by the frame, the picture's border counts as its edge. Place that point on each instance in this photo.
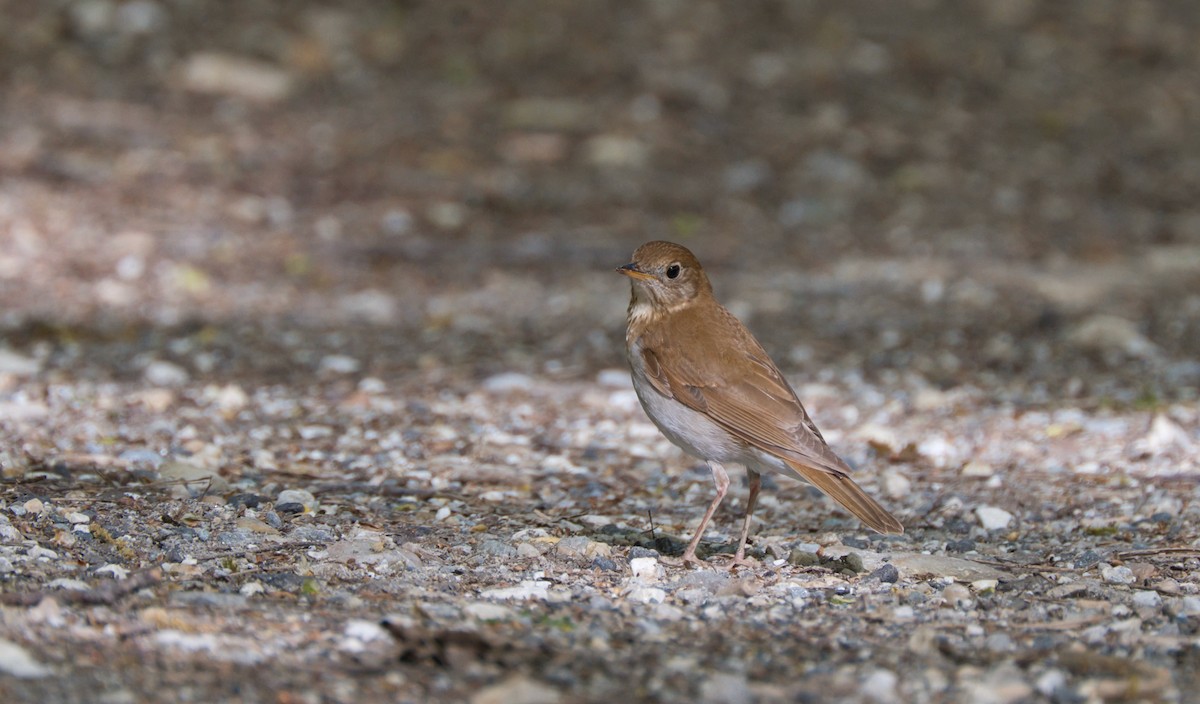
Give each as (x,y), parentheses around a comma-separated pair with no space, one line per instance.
(665,276)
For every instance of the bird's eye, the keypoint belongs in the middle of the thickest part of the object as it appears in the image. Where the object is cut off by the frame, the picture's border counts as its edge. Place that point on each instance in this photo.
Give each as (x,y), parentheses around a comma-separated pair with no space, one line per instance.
(672,271)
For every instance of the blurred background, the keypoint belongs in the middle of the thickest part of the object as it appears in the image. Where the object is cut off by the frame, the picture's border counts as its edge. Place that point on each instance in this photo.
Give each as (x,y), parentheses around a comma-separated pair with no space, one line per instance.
(1003,193)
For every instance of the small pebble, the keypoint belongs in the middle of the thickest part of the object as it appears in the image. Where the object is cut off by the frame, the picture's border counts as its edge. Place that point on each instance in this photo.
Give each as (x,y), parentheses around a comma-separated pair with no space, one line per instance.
(887,574)
(297,496)
(339,364)
(1147,600)
(1087,558)
(956,594)
(978,469)
(993,518)
(638,551)
(880,687)
(1117,575)
(725,688)
(604,563)
(1050,682)
(1189,605)
(896,485)
(804,558)
(160,373)
(15,661)
(1000,643)
(248,500)
(517,688)
(647,595)
(645,567)
(526,590)
(498,548)
(508,382)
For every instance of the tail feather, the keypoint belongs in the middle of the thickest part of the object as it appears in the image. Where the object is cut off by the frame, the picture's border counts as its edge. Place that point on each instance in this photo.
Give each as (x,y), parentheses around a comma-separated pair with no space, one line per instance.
(851,496)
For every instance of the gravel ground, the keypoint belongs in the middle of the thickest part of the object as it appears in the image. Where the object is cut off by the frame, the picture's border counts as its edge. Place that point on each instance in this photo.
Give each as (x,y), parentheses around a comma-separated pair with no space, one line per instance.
(311,377)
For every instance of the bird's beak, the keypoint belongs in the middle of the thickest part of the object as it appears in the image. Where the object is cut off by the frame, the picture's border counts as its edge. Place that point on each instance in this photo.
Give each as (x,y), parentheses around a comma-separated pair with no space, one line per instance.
(632,271)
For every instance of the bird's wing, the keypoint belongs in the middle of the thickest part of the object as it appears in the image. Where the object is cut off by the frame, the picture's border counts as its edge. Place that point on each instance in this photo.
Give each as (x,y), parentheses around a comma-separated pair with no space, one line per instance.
(737,386)
(742,390)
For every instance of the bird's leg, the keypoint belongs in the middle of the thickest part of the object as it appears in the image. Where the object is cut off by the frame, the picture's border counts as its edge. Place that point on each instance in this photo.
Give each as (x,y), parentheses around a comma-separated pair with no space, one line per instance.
(721,479)
(755,484)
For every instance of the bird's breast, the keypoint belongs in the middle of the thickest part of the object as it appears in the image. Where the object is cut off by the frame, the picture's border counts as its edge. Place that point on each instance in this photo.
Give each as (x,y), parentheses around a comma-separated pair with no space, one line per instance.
(692,431)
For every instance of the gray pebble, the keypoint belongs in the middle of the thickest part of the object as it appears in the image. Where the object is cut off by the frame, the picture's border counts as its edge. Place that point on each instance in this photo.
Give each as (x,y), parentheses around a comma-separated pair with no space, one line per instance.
(887,574)
(1117,575)
(964,545)
(605,564)
(498,548)
(312,534)
(638,551)
(1147,600)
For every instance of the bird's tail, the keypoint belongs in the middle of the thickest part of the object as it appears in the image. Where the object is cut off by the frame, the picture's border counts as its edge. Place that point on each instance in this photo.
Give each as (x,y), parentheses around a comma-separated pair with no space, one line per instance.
(842,489)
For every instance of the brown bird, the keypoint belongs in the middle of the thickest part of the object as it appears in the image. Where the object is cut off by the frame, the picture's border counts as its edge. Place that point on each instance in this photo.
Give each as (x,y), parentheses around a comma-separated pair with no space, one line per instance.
(712,390)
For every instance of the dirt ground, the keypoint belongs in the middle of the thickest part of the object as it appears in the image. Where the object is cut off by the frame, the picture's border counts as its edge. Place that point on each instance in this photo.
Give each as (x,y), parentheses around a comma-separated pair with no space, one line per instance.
(312,383)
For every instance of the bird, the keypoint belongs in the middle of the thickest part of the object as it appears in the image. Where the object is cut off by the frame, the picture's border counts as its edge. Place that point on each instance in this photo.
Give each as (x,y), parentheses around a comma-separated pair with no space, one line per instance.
(712,390)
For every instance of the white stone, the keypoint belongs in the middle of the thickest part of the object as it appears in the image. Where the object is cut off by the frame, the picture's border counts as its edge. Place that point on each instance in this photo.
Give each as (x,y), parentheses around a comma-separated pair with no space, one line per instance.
(938,450)
(517,688)
(526,590)
(1165,434)
(880,686)
(647,595)
(1147,599)
(225,74)
(229,398)
(1189,605)
(1050,681)
(249,589)
(117,571)
(895,484)
(485,611)
(160,373)
(880,437)
(508,382)
(976,468)
(17,662)
(1117,575)
(616,151)
(17,364)
(645,568)
(615,378)
(339,364)
(357,633)
(993,518)
(726,688)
